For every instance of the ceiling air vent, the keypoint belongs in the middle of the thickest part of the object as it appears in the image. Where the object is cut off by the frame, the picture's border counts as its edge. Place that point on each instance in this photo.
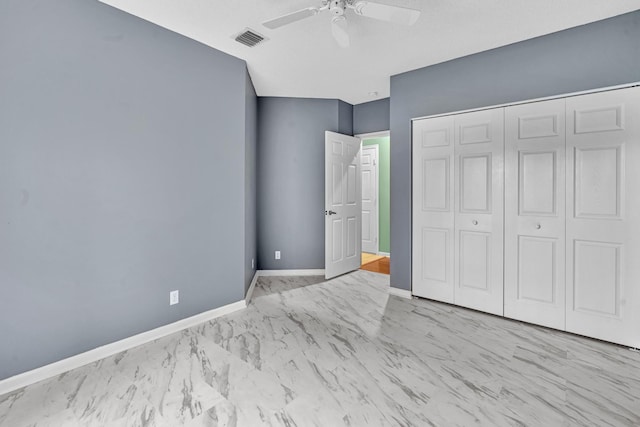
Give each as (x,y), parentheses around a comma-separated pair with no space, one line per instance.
(249,38)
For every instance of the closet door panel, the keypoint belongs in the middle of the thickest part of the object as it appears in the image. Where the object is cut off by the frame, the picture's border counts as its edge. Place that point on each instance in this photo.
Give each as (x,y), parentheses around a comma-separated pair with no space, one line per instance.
(432,254)
(603,216)
(535,213)
(537,279)
(479,180)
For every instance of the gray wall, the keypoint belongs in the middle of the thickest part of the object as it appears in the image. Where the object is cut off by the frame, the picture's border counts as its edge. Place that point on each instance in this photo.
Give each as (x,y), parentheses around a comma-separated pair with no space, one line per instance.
(291,179)
(600,54)
(250,186)
(345,118)
(122,168)
(371,116)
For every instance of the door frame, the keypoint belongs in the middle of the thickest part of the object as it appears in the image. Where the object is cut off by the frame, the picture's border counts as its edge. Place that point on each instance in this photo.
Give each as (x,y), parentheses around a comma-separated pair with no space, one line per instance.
(373,135)
(377,191)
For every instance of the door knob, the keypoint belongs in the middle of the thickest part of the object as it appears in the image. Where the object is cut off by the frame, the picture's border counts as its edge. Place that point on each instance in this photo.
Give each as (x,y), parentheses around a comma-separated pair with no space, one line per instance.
(538,226)
(330,213)
(474,222)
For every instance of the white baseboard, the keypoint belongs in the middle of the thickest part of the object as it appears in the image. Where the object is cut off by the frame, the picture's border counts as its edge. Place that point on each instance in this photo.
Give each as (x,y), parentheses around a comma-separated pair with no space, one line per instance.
(384,254)
(309,272)
(21,380)
(247,297)
(400,292)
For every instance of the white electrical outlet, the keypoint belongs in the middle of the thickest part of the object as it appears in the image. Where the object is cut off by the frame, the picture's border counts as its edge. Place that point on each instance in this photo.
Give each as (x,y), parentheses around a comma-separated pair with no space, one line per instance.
(277,254)
(174,297)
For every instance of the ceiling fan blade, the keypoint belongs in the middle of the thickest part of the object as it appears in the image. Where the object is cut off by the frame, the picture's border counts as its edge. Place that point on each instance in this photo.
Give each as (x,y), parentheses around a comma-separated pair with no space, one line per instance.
(387,12)
(339,29)
(290,18)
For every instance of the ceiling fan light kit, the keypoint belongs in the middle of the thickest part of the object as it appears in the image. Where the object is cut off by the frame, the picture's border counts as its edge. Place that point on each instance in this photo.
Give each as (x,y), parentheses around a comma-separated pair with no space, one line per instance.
(339,24)
(336,7)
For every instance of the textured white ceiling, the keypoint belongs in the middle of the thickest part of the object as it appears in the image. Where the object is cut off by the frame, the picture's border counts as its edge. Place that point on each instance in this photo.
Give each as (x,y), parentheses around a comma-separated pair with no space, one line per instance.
(303,60)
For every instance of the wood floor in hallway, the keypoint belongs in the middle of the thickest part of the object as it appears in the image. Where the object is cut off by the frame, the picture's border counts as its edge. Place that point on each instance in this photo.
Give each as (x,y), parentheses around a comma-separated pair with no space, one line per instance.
(375,263)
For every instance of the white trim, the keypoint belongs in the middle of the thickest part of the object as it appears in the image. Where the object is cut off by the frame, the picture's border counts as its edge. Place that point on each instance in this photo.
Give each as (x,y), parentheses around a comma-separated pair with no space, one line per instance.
(384,253)
(30,377)
(402,293)
(247,297)
(372,135)
(528,101)
(309,272)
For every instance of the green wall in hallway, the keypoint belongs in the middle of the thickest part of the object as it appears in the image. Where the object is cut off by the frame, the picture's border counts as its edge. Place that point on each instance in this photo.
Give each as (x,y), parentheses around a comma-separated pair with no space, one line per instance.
(384,168)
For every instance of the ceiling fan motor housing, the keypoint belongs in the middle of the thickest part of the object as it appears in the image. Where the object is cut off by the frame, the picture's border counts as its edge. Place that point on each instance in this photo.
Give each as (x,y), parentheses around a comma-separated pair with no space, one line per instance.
(336,7)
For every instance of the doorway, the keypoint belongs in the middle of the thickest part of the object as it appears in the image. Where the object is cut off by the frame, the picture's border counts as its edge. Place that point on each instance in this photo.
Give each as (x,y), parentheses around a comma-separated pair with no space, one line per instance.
(376,238)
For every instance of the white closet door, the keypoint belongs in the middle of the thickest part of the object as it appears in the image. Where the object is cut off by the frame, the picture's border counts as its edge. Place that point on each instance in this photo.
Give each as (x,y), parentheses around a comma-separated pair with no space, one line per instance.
(432,255)
(479,176)
(534,282)
(603,216)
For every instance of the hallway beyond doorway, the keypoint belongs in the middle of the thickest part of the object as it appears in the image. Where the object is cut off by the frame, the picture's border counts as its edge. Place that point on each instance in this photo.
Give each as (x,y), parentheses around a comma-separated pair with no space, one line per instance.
(375,263)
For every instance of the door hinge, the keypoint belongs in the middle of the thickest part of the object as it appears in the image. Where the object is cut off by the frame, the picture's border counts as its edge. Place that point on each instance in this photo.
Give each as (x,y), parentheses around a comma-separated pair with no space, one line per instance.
(375,162)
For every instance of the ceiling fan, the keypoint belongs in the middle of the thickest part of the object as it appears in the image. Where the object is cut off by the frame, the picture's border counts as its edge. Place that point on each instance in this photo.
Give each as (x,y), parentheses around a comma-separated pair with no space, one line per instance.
(339,25)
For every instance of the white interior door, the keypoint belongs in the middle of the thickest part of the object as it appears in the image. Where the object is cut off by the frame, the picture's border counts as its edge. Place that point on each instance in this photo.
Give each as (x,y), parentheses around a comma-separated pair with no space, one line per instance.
(432,234)
(370,199)
(603,216)
(535,213)
(479,175)
(343,204)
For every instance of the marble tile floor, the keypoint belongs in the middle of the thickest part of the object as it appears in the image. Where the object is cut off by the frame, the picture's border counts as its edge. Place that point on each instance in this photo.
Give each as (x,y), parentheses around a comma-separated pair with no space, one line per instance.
(310,352)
